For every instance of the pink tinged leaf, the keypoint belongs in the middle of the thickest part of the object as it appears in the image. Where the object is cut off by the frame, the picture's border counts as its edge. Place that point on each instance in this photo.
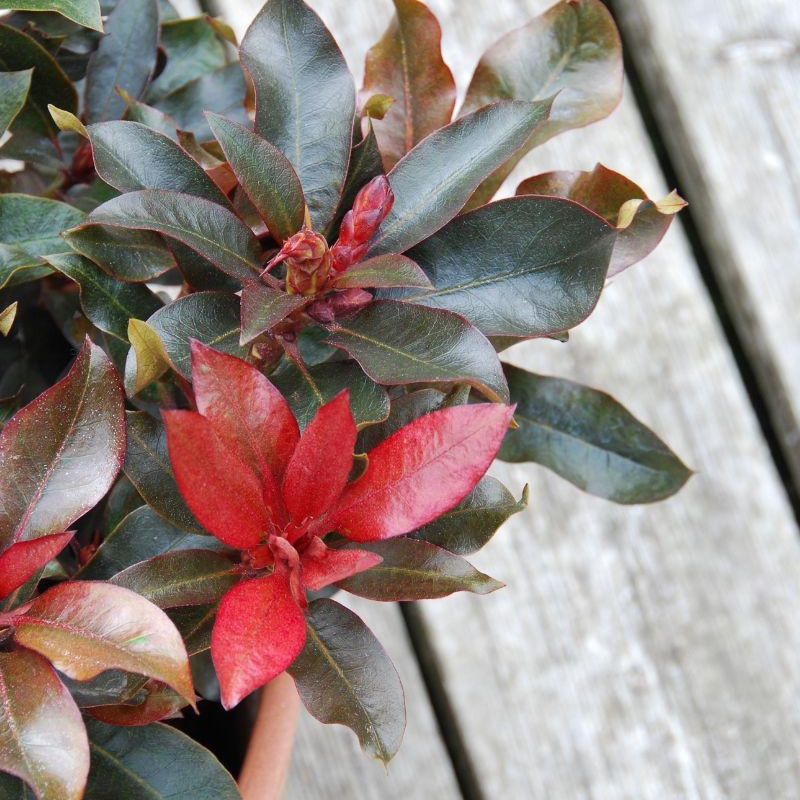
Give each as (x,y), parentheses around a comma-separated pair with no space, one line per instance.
(22,559)
(42,738)
(240,401)
(322,566)
(223,492)
(321,463)
(263,307)
(258,633)
(60,454)
(421,471)
(161,702)
(85,628)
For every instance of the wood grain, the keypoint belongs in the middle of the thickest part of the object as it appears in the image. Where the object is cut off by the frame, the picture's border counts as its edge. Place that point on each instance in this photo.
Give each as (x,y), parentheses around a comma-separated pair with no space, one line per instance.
(722,77)
(639,653)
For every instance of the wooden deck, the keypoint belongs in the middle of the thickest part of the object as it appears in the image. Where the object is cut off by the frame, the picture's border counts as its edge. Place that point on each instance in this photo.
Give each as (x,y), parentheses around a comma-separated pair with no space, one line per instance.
(647,653)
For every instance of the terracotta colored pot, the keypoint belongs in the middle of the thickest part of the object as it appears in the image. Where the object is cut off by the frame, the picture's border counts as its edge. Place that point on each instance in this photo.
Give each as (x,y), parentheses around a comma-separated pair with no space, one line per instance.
(269,752)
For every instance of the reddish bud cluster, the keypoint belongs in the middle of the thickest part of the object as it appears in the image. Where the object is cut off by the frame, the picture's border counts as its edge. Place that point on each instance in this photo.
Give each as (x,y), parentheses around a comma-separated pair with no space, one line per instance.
(308,262)
(370,208)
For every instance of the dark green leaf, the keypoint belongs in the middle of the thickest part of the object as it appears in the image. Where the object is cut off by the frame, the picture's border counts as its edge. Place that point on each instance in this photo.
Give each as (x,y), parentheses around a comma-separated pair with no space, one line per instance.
(143,534)
(405,408)
(126,255)
(14,87)
(432,183)
(193,49)
(124,59)
(641,222)
(153,762)
(572,52)
(182,578)
(588,438)
(107,302)
(264,307)
(131,156)
(61,454)
(344,676)
(41,735)
(153,118)
(111,686)
(307,392)
(416,570)
(266,175)
(29,229)
(365,164)
(401,343)
(208,228)
(527,266)
(305,98)
(221,91)
(84,12)
(148,468)
(471,524)
(12,788)
(406,64)
(195,624)
(122,499)
(210,317)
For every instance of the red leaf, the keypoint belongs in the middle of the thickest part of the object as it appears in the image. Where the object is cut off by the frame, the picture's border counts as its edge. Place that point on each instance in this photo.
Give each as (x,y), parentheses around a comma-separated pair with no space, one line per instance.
(421,471)
(244,405)
(258,633)
(321,463)
(21,560)
(223,493)
(323,566)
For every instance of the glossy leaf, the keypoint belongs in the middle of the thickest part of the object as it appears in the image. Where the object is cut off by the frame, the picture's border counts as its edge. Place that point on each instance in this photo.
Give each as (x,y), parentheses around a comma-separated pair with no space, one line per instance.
(382,272)
(259,631)
(14,87)
(148,468)
(571,53)
(152,360)
(109,303)
(154,762)
(211,318)
(415,570)
(83,628)
(305,98)
(405,408)
(344,676)
(160,702)
(225,495)
(641,222)
(23,559)
(135,256)
(306,391)
(240,401)
(152,117)
(195,624)
(193,49)
(528,266)
(264,307)
(110,686)
(29,229)
(325,448)
(406,64)
(125,59)
(266,175)
(467,527)
(208,228)
(400,343)
(131,156)
(221,91)
(42,739)
(421,471)
(432,183)
(180,578)
(84,12)
(588,438)
(61,453)
(139,536)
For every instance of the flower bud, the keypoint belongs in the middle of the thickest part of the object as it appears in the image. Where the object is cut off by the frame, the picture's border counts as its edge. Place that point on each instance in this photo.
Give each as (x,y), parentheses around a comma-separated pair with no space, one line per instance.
(308,262)
(370,208)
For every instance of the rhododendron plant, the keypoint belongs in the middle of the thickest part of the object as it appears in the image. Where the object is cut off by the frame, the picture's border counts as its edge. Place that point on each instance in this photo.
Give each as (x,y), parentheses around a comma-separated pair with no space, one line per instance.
(289,301)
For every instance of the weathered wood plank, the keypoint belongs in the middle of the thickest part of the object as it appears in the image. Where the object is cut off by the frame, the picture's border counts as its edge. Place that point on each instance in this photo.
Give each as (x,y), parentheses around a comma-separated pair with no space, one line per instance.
(722,76)
(643,653)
